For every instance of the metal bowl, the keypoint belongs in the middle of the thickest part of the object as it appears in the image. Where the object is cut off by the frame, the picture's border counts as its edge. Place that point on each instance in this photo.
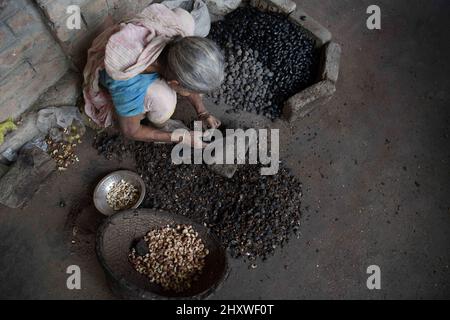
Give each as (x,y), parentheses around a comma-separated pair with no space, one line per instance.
(104,186)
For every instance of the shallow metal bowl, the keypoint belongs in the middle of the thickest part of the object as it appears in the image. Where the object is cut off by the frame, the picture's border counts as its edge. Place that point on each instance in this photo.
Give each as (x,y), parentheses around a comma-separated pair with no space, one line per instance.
(104,186)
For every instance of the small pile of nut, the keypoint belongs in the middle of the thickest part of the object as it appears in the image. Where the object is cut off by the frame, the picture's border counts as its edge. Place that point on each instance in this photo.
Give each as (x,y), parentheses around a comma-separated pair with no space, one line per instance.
(63,152)
(175,257)
(122,195)
(61,145)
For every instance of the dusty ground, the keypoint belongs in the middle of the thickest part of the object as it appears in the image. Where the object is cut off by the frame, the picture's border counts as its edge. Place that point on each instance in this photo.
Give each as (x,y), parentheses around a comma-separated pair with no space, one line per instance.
(374,163)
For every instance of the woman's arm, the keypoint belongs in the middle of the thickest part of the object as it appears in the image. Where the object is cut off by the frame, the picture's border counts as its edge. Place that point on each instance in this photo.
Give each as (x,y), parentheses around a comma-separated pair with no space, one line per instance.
(131,127)
(197,102)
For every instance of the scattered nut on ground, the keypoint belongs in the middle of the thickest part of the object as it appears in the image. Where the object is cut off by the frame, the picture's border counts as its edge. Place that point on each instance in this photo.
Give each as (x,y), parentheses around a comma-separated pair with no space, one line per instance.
(175,257)
(122,195)
(63,152)
(253,215)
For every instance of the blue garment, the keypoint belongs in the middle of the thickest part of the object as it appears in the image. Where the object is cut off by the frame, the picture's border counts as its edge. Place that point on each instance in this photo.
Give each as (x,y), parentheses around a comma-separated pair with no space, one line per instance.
(128,95)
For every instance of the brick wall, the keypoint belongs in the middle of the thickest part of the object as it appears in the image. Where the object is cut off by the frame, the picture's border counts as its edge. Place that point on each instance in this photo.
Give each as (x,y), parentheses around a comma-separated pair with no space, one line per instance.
(36,47)
(95,14)
(30,59)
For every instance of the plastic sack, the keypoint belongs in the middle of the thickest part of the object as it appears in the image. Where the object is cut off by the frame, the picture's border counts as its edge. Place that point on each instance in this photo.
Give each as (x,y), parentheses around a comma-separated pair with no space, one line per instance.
(222,7)
(9,154)
(198,10)
(40,143)
(53,121)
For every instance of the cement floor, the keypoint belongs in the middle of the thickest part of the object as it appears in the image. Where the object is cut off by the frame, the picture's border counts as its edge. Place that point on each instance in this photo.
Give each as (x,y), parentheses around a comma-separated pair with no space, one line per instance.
(374,163)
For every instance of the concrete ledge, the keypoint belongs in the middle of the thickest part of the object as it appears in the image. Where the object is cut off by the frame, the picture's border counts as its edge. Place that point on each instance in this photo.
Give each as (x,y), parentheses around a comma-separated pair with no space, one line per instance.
(65,92)
(331,60)
(3,169)
(299,105)
(25,176)
(321,33)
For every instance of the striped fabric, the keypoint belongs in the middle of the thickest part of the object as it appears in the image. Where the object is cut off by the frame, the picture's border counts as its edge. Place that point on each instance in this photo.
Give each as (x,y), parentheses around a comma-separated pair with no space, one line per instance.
(126,50)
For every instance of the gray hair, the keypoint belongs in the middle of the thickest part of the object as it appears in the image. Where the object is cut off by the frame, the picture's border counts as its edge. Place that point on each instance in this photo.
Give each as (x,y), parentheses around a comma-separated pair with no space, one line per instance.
(195,62)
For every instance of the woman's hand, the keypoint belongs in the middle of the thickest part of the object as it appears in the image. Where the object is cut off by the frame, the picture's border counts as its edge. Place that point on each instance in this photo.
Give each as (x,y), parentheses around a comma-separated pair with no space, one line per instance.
(211,122)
